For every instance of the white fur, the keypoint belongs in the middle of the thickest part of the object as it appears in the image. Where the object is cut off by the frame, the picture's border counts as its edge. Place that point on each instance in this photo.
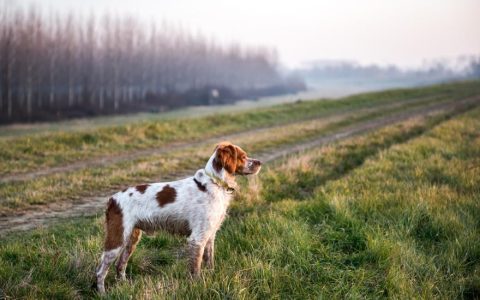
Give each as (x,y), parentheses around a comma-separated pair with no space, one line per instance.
(203,211)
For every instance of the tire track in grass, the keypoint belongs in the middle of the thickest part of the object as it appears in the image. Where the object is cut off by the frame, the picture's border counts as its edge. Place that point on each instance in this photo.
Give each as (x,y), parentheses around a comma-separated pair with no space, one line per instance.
(56,212)
(364,127)
(178,146)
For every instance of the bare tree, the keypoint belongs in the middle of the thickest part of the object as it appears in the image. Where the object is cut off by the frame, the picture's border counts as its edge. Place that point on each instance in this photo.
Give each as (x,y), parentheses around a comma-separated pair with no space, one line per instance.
(62,66)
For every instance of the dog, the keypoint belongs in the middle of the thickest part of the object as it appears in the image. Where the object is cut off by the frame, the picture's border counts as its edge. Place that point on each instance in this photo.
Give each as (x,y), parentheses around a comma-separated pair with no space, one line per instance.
(194,207)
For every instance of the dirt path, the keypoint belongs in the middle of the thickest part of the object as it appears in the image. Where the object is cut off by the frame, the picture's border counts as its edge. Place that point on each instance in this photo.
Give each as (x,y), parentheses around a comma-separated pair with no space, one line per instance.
(178,146)
(93,205)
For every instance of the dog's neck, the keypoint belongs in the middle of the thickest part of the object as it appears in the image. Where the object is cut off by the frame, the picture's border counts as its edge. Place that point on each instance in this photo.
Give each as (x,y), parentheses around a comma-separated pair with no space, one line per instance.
(220,177)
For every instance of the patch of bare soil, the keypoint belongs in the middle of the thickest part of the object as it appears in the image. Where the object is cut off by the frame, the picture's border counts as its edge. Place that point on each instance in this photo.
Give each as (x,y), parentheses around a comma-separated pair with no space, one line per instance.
(93,205)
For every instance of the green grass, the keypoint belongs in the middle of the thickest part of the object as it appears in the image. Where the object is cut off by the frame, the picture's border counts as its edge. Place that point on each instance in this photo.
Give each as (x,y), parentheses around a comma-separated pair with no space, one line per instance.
(392,214)
(102,180)
(36,151)
(406,220)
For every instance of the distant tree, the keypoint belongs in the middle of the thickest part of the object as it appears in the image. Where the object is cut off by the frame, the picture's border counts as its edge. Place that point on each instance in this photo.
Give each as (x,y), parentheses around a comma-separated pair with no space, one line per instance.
(61,66)
(474,67)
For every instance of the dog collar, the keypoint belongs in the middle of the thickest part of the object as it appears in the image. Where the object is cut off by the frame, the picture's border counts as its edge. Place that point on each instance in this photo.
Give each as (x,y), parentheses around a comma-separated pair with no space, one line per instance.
(220,182)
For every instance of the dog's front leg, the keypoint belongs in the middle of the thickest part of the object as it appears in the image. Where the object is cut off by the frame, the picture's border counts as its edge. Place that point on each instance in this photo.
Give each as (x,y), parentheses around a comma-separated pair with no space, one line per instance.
(195,253)
(208,254)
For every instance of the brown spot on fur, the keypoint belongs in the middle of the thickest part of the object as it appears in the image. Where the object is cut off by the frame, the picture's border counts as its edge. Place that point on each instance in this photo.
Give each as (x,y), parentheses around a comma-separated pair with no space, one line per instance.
(129,249)
(134,239)
(226,157)
(241,160)
(200,186)
(230,157)
(170,225)
(114,225)
(124,190)
(142,188)
(166,195)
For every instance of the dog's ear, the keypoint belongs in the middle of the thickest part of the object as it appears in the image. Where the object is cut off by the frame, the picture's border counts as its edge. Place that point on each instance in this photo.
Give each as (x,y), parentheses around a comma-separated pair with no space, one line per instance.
(226,157)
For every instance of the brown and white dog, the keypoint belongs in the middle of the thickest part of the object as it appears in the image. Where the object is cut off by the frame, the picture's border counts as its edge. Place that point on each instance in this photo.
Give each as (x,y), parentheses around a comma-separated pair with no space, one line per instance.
(195,207)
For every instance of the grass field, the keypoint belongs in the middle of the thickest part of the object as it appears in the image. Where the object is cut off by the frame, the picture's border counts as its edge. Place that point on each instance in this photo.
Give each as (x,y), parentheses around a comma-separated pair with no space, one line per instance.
(389,214)
(282,125)
(59,187)
(31,152)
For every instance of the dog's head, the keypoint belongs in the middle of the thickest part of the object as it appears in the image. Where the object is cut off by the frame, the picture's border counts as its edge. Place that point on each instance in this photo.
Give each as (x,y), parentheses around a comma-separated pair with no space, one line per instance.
(234,160)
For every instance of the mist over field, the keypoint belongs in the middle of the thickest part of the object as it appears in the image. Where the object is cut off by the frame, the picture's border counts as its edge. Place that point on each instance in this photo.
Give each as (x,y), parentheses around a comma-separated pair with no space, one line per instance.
(62,61)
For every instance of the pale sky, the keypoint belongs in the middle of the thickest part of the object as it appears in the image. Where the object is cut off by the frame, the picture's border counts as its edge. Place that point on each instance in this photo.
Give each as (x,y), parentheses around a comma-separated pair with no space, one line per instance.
(401,32)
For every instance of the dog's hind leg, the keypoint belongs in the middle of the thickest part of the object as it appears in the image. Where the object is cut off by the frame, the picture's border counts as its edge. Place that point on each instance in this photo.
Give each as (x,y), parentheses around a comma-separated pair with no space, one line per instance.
(115,238)
(107,258)
(128,249)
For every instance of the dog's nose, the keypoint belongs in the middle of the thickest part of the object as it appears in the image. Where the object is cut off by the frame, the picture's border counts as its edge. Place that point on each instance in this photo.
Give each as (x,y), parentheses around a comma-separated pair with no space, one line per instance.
(256,162)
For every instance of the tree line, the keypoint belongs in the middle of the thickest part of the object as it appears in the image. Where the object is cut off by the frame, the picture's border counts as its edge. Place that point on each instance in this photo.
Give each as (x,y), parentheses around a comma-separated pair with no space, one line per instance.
(462,67)
(59,66)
